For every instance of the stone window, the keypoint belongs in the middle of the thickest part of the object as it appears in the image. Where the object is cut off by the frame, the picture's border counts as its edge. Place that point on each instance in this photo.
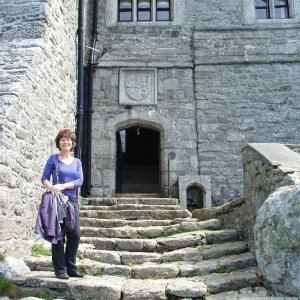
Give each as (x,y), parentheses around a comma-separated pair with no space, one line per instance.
(272,9)
(256,11)
(144,10)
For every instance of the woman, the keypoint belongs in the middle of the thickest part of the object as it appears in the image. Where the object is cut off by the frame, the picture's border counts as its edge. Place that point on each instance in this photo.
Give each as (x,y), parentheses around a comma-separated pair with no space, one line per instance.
(67,177)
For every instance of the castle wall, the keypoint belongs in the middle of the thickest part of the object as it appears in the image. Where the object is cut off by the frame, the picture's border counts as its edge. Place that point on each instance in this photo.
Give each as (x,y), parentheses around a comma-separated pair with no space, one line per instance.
(244,73)
(37,98)
(246,92)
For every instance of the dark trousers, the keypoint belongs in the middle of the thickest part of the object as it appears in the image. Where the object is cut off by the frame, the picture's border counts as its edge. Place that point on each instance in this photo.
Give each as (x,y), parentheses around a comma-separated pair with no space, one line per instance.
(64,257)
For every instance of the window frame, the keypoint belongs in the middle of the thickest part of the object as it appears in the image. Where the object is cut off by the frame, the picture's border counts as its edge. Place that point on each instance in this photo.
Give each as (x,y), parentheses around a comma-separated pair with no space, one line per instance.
(150,10)
(286,6)
(122,10)
(266,8)
(251,18)
(163,9)
(153,10)
(270,9)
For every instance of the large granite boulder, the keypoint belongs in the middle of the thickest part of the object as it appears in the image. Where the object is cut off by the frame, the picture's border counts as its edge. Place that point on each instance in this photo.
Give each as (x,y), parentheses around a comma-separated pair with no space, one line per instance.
(277,240)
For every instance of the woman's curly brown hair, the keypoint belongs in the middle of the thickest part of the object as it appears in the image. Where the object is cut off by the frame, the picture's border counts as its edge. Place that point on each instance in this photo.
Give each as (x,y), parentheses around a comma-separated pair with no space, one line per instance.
(66,133)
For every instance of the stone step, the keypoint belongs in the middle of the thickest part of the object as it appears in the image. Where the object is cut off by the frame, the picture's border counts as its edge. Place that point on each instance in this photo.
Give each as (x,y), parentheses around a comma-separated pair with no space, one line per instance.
(131,200)
(120,288)
(130,207)
(136,214)
(224,264)
(108,223)
(138,195)
(163,270)
(218,283)
(188,249)
(247,293)
(151,231)
(205,252)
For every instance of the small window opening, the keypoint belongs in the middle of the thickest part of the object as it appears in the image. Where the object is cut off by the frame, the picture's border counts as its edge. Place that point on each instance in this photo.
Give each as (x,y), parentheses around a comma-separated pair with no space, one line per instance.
(282,9)
(144,10)
(125,11)
(163,11)
(195,197)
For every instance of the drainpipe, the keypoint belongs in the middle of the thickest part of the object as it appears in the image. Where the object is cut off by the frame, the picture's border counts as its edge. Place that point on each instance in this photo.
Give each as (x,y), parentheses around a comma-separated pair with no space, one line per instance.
(93,61)
(80,100)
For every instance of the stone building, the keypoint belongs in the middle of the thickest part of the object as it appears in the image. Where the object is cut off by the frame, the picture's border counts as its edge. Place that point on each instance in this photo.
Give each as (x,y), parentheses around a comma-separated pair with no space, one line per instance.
(196,78)
(182,86)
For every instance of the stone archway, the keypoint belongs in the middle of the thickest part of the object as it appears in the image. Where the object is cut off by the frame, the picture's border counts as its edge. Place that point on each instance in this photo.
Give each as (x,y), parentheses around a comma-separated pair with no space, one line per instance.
(189,183)
(137,160)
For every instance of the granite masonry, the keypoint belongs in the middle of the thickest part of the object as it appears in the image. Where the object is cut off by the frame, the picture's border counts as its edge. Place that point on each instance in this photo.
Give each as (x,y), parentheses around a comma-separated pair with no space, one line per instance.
(37,98)
(224,79)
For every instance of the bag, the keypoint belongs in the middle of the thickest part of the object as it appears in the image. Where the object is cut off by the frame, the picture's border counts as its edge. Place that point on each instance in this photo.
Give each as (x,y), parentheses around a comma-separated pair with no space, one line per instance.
(61,205)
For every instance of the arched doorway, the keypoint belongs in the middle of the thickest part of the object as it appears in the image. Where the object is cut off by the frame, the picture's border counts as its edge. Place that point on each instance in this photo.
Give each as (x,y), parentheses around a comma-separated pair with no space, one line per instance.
(137,168)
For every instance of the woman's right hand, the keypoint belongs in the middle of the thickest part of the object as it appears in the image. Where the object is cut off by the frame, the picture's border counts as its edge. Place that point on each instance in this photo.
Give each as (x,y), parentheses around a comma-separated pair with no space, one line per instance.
(56,189)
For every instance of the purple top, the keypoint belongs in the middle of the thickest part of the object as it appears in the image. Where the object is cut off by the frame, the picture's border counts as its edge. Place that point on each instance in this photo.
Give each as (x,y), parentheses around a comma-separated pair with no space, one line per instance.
(66,173)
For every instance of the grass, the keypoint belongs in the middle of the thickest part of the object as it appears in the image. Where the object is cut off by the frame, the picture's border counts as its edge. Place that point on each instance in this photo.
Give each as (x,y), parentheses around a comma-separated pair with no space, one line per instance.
(40,250)
(178,230)
(42,294)
(8,288)
(214,228)
(2,256)
(222,269)
(83,201)
(168,260)
(129,263)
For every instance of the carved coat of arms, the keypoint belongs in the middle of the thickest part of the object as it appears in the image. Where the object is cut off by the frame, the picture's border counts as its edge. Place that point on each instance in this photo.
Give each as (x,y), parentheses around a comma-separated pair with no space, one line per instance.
(137,86)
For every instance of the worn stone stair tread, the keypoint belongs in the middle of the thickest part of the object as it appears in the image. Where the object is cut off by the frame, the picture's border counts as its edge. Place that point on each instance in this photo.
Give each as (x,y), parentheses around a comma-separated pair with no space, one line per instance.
(117,287)
(142,214)
(108,223)
(136,200)
(129,207)
(257,293)
(162,268)
(223,264)
(104,287)
(177,231)
(236,280)
(226,248)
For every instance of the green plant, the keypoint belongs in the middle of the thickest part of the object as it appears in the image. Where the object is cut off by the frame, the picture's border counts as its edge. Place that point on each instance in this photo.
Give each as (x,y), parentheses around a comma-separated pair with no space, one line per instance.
(8,288)
(83,201)
(42,294)
(134,275)
(2,256)
(215,229)
(40,250)
(222,269)
(168,260)
(129,263)
(82,269)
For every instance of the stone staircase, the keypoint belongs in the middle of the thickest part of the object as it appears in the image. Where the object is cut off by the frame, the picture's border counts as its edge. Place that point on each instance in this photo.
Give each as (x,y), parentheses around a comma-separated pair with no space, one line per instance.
(147,248)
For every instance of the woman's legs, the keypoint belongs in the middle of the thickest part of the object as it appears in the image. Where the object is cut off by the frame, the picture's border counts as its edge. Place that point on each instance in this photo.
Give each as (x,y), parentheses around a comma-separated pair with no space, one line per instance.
(58,258)
(72,245)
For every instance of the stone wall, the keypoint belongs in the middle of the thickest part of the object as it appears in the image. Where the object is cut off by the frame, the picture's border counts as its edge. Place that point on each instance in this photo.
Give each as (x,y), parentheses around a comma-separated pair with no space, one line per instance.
(245,92)
(267,167)
(37,98)
(245,78)
(173,117)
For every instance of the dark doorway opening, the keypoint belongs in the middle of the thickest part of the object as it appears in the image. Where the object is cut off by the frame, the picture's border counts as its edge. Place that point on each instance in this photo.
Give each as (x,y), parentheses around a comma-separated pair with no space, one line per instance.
(138,160)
